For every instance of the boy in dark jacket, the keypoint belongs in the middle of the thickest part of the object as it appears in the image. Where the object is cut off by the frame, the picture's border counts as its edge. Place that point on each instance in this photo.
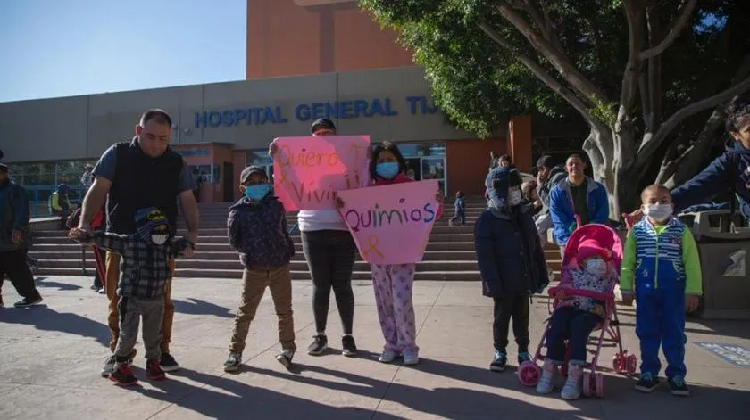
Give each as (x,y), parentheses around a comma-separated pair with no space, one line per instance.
(511,261)
(144,274)
(458,209)
(258,230)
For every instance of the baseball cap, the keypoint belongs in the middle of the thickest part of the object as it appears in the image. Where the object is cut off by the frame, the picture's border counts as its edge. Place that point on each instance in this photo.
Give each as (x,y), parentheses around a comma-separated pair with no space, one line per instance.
(545,161)
(249,171)
(322,123)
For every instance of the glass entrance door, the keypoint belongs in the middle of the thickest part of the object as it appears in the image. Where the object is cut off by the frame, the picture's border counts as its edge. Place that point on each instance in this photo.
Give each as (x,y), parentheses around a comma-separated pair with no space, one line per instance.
(434,168)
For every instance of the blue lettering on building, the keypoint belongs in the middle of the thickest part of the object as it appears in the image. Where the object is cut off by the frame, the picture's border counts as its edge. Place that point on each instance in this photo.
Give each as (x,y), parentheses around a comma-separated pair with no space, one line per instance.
(359,108)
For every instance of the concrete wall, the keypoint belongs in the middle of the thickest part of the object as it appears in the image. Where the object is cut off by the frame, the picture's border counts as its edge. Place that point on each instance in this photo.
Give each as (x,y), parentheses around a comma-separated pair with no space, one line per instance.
(84,126)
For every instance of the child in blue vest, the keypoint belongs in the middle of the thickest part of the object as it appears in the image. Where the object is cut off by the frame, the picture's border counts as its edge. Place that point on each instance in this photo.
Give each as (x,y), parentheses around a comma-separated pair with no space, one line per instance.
(661,260)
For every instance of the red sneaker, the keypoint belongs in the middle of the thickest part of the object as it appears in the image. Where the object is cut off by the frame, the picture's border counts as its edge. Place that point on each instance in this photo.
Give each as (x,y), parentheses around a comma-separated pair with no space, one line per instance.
(123,375)
(154,371)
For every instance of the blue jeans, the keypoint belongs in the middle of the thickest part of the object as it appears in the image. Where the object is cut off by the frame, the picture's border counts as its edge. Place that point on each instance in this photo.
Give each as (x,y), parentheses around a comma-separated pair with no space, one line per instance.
(660,321)
(574,325)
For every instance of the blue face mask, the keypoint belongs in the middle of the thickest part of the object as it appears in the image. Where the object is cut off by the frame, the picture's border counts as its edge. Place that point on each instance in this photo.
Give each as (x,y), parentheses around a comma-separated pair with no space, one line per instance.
(387,170)
(257,192)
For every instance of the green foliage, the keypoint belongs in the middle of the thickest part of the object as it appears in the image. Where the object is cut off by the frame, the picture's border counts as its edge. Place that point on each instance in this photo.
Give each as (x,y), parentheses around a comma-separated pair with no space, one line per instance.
(479,83)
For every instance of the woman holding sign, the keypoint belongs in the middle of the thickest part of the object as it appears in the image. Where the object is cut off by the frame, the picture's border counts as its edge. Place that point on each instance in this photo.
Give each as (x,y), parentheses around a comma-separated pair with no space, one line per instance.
(329,251)
(393,282)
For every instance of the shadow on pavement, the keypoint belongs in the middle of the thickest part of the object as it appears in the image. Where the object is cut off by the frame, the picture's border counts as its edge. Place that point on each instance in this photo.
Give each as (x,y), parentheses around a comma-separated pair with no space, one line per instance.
(240,400)
(453,401)
(200,307)
(46,319)
(43,282)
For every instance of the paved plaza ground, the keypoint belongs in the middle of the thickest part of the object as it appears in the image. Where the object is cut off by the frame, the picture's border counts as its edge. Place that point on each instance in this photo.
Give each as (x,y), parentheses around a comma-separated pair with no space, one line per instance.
(50,358)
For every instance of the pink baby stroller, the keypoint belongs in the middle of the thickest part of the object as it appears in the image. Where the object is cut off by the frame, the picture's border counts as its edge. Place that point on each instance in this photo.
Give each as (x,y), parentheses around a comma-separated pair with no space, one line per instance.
(608,331)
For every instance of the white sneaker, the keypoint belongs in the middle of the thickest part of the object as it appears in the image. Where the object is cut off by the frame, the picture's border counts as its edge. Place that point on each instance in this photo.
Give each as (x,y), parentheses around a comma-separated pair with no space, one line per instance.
(387,356)
(109,366)
(411,357)
(285,357)
(546,383)
(572,388)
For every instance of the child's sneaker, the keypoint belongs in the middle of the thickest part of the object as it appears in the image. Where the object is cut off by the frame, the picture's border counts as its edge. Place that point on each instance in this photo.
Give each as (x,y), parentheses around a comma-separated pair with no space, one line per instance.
(318,346)
(572,388)
(523,356)
(349,348)
(546,383)
(123,375)
(285,357)
(646,383)
(109,364)
(387,356)
(233,362)
(154,370)
(498,364)
(411,357)
(677,386)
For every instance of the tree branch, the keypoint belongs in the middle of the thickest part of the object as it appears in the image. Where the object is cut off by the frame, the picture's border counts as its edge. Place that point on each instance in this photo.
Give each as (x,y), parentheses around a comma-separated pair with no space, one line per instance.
(674,32)
(649,146)
(558,59)
(540,73)
(542,20)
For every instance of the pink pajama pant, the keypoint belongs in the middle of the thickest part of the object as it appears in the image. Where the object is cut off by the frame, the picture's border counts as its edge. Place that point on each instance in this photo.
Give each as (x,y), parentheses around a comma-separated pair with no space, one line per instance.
(393,286)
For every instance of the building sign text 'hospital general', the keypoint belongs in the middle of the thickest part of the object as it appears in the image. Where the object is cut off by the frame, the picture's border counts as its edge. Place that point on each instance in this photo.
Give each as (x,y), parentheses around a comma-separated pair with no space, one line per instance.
(360,108)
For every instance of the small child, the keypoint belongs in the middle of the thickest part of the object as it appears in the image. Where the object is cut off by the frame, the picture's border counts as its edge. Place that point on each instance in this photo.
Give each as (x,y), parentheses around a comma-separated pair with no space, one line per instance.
(660,245)
(144,274)
(511,261)
(393,283)
(576,316)
(458,209)
(258,230)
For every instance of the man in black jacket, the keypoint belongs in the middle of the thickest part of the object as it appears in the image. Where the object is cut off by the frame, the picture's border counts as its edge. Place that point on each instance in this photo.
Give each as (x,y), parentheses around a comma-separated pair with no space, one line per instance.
(15,240)
(130,177)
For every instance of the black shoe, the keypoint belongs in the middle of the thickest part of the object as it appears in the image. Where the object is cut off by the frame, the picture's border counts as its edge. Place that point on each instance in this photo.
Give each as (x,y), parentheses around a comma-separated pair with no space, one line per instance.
(26,302)
(677,386)
(647,383)
(499,362)
(349,349)
(168,364)
(318,346)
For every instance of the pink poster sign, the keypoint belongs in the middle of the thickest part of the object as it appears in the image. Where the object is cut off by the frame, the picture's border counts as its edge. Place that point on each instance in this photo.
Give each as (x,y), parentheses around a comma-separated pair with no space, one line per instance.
(391,224)
(308,171)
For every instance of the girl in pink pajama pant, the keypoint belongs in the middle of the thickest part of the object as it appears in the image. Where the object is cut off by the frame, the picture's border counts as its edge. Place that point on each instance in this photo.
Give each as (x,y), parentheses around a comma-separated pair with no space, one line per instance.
(393,283)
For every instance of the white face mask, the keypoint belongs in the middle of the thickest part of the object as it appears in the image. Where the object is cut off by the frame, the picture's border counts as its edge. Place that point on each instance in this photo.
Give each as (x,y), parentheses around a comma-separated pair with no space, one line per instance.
(596,267)
(658,211)
(515,198)
(159,239)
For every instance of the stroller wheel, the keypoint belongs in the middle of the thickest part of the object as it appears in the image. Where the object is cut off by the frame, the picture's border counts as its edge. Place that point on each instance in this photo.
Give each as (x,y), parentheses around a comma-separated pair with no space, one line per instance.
(599,383)
(618,361)
(528,373)
(632,364)
(586,385)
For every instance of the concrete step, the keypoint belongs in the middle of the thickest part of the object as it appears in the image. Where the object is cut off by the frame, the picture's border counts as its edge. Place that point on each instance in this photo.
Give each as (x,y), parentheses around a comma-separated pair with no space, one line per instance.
(222,231)
(438,237)
(296,275)
(64,245)
(228,254)
(296,264)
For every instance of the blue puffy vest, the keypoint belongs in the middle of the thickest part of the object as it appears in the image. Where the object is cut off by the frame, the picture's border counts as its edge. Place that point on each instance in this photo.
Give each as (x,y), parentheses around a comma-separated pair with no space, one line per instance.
(659,257)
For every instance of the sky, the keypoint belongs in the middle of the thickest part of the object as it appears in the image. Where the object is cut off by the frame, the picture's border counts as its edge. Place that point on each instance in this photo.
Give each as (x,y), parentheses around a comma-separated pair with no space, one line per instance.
(53,48)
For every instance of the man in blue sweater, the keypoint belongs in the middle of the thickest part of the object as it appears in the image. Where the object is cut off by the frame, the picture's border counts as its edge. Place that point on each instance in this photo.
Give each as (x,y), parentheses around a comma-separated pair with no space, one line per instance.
(728,172)
(575,199)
